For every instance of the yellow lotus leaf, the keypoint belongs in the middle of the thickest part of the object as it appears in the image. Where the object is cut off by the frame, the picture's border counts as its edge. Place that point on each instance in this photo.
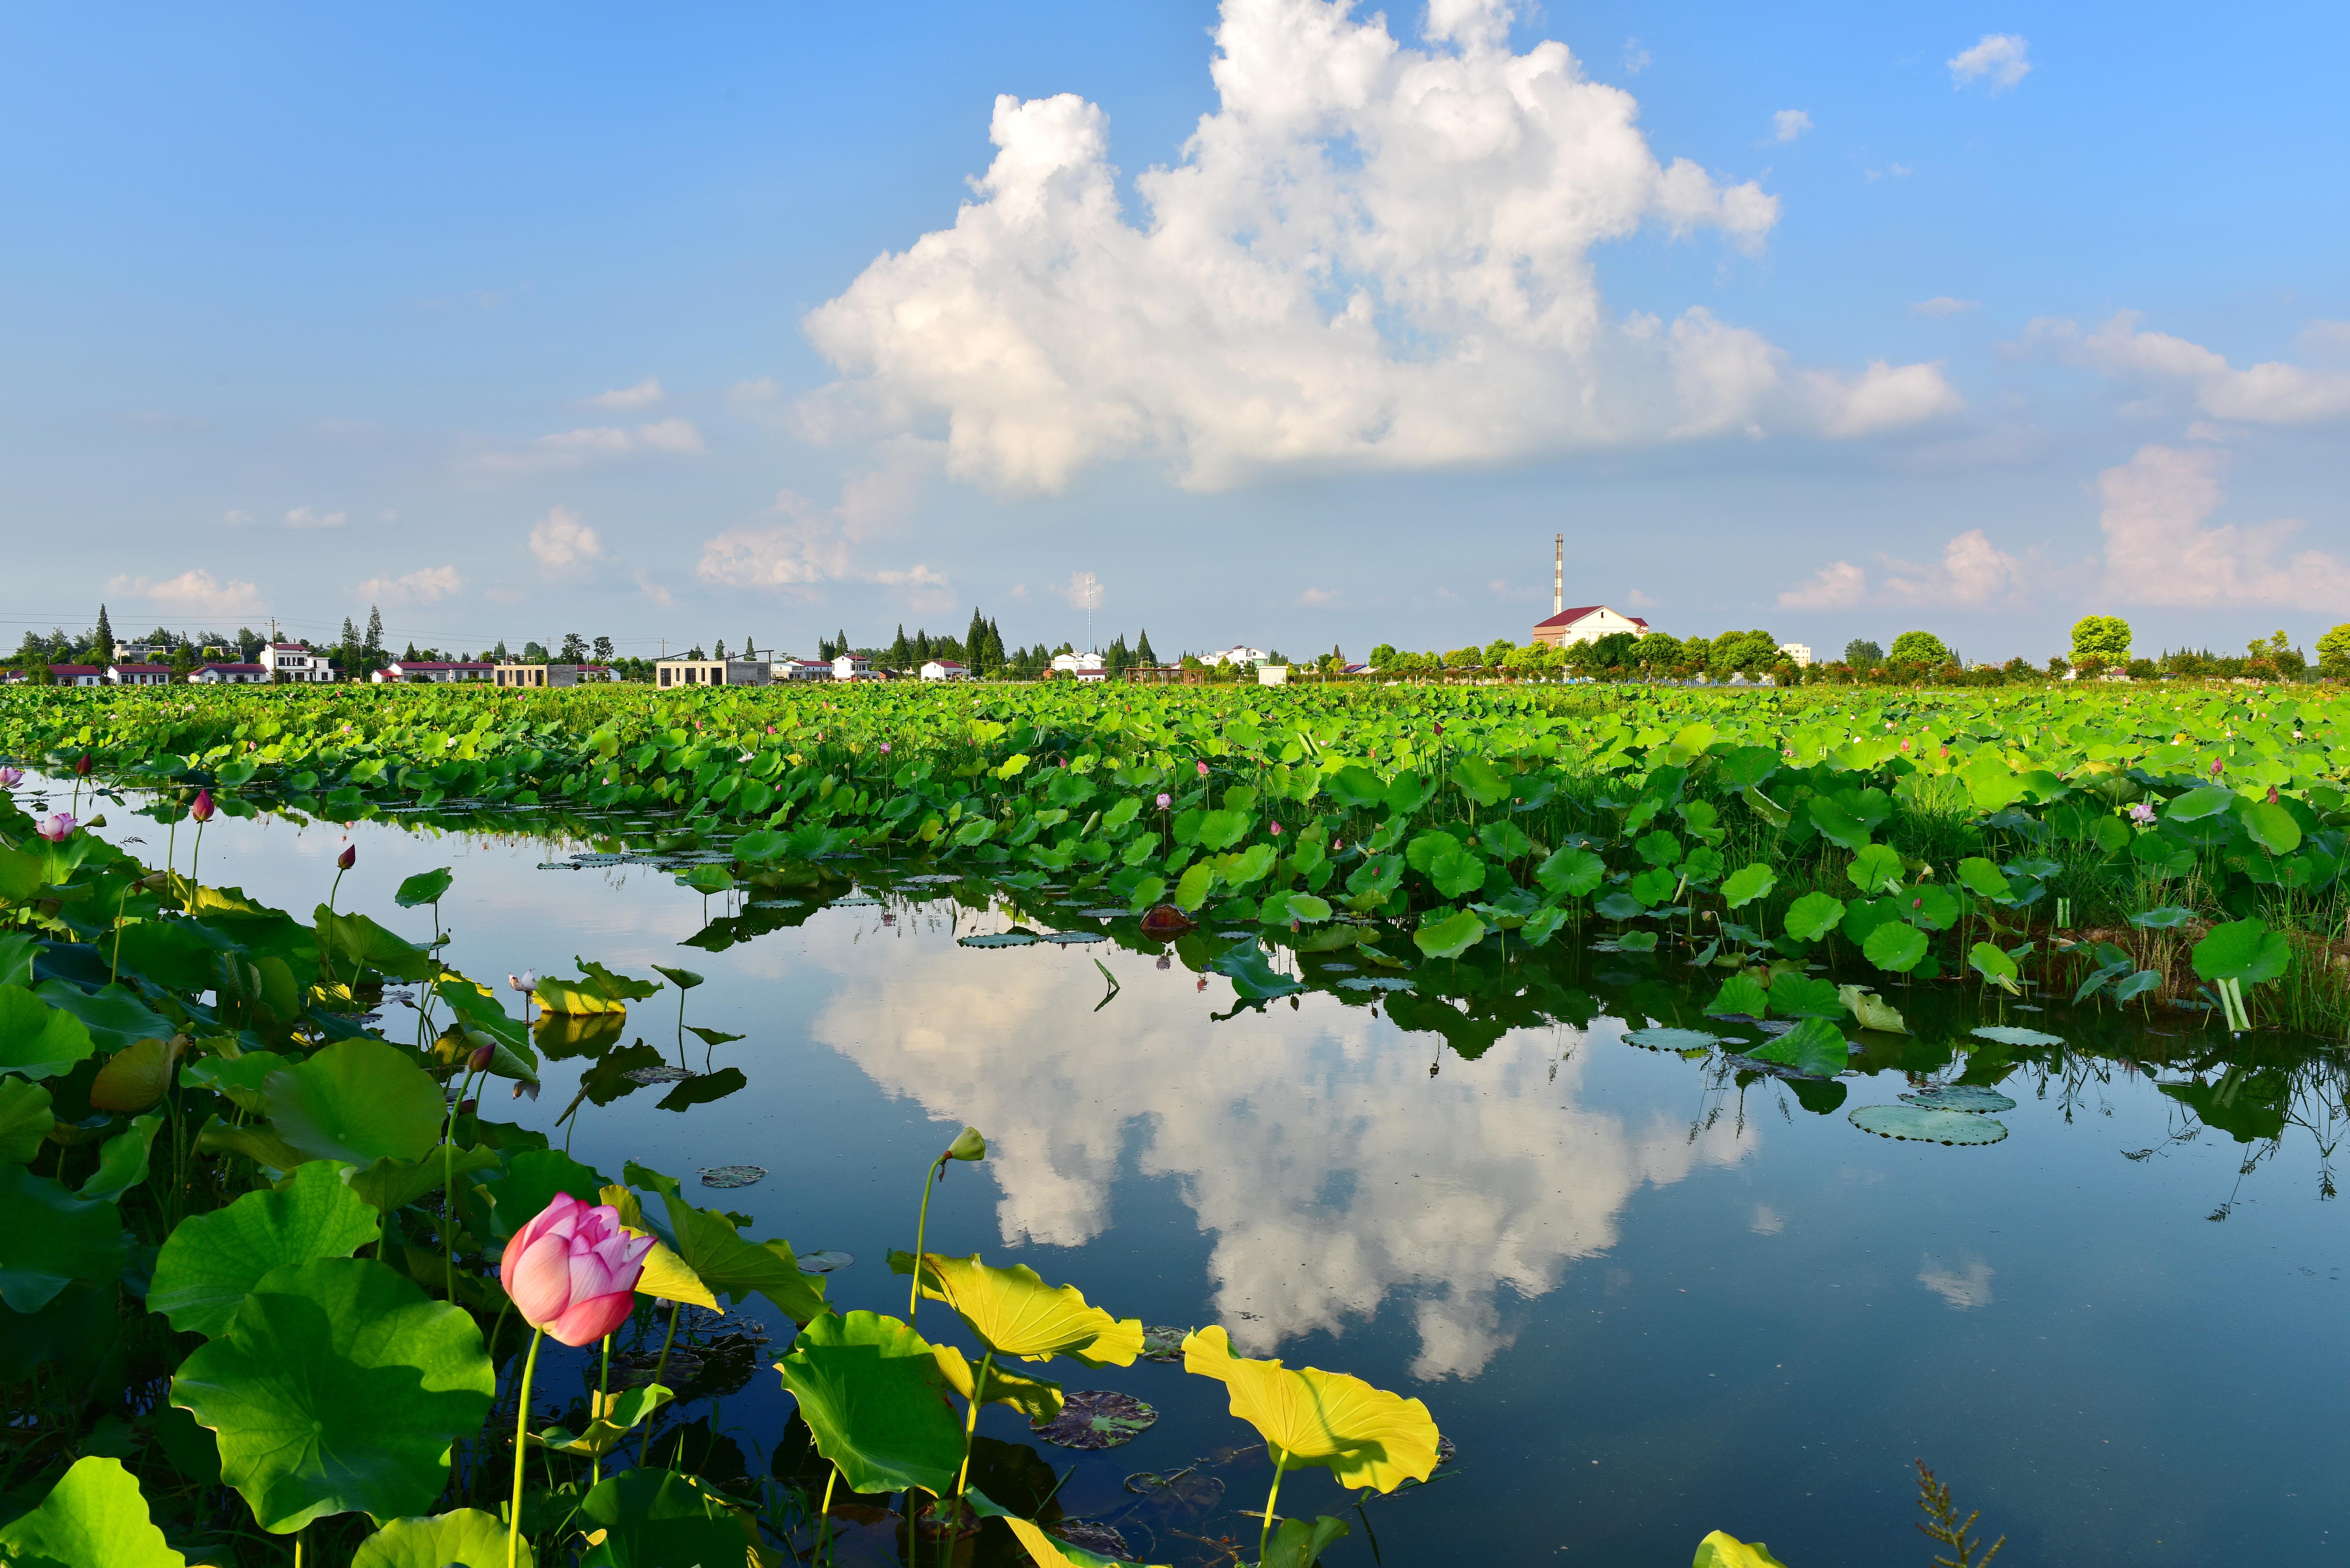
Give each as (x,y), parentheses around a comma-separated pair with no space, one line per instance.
(1034,1397)
(1015,1312)
(1366,1436)
(1044,1550)
(1723,1550)
(667,1276)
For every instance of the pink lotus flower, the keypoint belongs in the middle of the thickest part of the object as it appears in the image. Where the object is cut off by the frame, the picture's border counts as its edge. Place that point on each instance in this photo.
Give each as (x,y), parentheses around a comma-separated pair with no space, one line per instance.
(203,808)
(1164,800)
(1276,830)
(2142,814)
(573,1271)
(11,777)
(885,748)
(1203,770)
(57,829)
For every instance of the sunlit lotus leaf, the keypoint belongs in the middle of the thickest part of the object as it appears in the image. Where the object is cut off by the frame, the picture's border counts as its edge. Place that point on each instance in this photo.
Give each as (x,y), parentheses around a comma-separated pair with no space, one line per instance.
(1740,993)
(467,1538)
(2009,1035)
(1014,1312)
(94,1517)
(1994,964)
(1365,1436)
(1894,947)
(1805,996)
(707,1244)
(136,1077)
(1876,869)
(1721,1550)
(2163,918)
(574,997)
(1983,877)
(1664,1039)
(611,1418)
(38,1040)
(875,1403)
(357,1101)
(1044,1550)
(1978,1098)
(1743,887)
(1872,1012)
(1814,916)
(52,1237)
(1298,1545)
(1407,793)
(337,1387)
(1034,1397)
(25,1120)
(122,1160)
(210,1261)
(1815,1046)
(529,1183)
(644,1518)
(2244,951)
(1920,1125)
(1449,937)
(1836,825)
(1573,871)
(2209,800)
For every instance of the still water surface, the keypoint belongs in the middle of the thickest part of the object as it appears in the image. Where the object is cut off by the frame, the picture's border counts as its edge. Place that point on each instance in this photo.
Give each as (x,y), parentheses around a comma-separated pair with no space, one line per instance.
(1644,1300)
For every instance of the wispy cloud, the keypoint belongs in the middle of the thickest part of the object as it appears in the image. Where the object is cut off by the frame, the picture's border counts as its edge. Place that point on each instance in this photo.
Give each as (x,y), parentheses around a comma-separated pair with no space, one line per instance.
(2001,59)
(1318,598)
(194,593)
(303,517)
(643,395)
(2270,393)
(672,437)
(428,586)
(564,542)
(1973,572)
(1788,124)
(1944,304)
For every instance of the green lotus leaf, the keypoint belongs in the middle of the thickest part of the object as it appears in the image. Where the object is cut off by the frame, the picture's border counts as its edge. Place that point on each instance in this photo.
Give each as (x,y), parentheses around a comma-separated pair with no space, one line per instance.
(1920,1125)
(1743,887)
(94,1517)
(1365,1436)
(1479,780)
(649,1518)
(1872,1012)
(260,1144)
(1198,882)
(1664,1039)
(1659,848)
(2209,800)
(355,1101)
(38,1040)
(709,1245)
(25,1120)
(1573,872)
(1356,787)
(53,1238)
(424,888)
(611,1418)
(1034,1397)
(337,1387)
(1977,1098)
(2161,919)
(618,987)
(1636,943)
(1876,869)
(1836,825)
(346,941)
(122,1160)
(1297,1544)
(389,1184)
(1805,996)
(2008,1034)
(1451,937)
(1014,1312)
(1407,793)
(1814,916)
(467,1538)
(2131,987)
(532,1178)
(2242,951)
(574,998)
(1815,1046)
(243,1081)
(875,1403)
(1722,1550)
(113,1015)
(1619,906)
(1986,879)
(1740,993)
(1894,947)
(210,1262)
(707,880)
(684,979)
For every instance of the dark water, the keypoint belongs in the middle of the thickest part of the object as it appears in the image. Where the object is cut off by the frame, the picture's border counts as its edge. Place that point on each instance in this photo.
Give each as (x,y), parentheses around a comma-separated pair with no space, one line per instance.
(1644,1300)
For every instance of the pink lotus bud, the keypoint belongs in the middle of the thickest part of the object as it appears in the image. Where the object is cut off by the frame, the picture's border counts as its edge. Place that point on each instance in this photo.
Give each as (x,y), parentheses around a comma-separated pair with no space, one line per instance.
(1164,800)
(885,748)
(203,808)
(81,765)
(573,1271)
(347,859)
(481,1057)
(1203,770)
(1276,830)
(2215,767)
(2272,795)
(11,777)
(56,828)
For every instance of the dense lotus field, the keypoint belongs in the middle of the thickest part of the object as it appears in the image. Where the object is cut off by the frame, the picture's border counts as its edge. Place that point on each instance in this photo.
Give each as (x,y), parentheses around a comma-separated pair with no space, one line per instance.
(2156,844)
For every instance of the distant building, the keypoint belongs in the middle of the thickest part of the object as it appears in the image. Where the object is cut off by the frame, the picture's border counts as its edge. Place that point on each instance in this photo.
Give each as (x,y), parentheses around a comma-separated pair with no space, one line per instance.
(1080,666)
(296,663)
(849,667)
(1585,623)
(139,674)
(220,674)
(1242,654)
(543,674)
(78,674)
(433,671)
(1273,675)
(138,652)
(789,669)
(712,671)
(945,669)
(1800,652)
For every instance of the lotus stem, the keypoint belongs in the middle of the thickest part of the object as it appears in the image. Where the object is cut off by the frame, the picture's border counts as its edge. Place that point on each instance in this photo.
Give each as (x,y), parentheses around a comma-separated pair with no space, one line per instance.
(971,1424)
(660,1368)
(195,856)
(522,1450)
(1280,1462)
(604,1402)
(824,1515)
(921,1229)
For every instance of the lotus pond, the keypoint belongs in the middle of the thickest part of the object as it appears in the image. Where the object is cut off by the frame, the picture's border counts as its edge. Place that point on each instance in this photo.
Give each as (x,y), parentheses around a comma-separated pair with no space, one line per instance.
(1657,1255)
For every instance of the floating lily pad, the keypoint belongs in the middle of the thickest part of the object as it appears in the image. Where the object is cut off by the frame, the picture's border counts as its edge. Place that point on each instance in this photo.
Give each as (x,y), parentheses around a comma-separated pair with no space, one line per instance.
(733,1175)
(854,901)
(1975,1098)
(1119,913)
(999,940)
(933,880)
(1073,938)
(1662,1039)
(1163,1342)
(2008,1034)
(1375,982)
(1338,969)
(1096,1418)
(661,1075)
(561,866)
(1922,1126)
(600,860)
(1186,1493)
(824,1262)
(1091,1535)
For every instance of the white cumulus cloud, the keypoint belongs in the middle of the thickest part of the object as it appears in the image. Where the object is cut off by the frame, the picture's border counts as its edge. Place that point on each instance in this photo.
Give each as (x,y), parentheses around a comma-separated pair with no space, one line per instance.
(2160,550)
(303,517)
(1368,255)
(2001,59)
(796,544)
(562,543)
(427,585)
(194,593)
(1839,584)
(1788,124)
(643,395)
(1972,571)
(2270,393)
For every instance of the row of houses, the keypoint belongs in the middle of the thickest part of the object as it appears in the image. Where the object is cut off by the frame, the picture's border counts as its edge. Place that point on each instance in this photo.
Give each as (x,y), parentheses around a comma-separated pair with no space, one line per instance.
(769,670)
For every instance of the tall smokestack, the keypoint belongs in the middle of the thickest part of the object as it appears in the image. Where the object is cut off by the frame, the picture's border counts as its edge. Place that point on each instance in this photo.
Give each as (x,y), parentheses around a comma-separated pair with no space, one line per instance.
(1558,579)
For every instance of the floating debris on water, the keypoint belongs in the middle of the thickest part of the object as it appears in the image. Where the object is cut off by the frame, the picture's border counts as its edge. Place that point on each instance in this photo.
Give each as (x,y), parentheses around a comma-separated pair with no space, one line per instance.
(661,1075)
(733,1175)
(825,1263)
(1095,1418)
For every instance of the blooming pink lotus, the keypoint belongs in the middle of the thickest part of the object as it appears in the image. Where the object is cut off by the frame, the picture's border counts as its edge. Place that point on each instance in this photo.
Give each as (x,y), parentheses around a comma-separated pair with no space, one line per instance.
(2142,814)
(203,808)
(573,1271)
(1164,800)
(1203,770)
(11,777)
(56,828)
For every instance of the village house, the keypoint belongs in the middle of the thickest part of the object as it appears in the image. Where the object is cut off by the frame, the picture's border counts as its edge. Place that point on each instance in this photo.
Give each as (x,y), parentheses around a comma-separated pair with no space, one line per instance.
(751,671)
(790,669)
(1585,623)
(849,667)
(945,669)
(1080,666)
(217,673)
(296,664)
(434,671)
(78,674)
(139,674)
(1236,655)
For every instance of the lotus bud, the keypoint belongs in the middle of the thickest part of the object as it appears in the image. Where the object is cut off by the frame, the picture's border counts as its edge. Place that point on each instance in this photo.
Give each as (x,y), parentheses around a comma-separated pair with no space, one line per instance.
(57,828)
(2272,795)
(1203,770)
(968,1145)
(203,808)
(885,748)
(347,859)
(2142,814)
(2215,767)
(525,982)
(572,1270)
(11,777)
(1276,830)
(1164,800)
(467,1108)
(481,1057)
(81,765)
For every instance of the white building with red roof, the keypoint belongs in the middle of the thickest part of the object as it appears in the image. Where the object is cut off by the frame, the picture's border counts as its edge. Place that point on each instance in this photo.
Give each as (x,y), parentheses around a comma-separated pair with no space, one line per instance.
(216,672)
(296,664)
(1587,623)
(436,672)
(128,674)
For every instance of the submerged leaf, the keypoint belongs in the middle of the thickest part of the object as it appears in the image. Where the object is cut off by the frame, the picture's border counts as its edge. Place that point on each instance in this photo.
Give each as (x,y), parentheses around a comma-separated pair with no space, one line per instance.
(1975,1098)
(1095,1418)
(1923,1126)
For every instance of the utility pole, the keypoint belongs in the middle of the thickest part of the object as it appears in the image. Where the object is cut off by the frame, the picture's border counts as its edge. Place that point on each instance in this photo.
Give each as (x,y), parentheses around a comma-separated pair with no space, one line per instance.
(1558,578)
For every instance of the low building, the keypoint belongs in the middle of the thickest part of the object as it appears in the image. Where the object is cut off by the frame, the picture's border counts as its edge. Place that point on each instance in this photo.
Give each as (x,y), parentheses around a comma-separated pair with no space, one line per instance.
(78,674)
(1080,666)
(712,671)
(1585,623)
(139,652)
(433,671)
(1273,675)
(139,674)
(849,667)
(222,674)
(296,663)
(1797,652)
(1238,654)
(789,669)
(945,669)
(535,675)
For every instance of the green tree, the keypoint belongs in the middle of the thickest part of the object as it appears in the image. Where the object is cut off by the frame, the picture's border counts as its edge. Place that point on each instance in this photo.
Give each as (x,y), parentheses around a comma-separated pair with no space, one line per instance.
(574,650)
(2334,650)
(901,652)
(104,637)
(1497,651)
(603,650)
(1862,654)
(1920,647)
(183,663)
(1383,658)
(2105,637)
(1142,654)
(374,643)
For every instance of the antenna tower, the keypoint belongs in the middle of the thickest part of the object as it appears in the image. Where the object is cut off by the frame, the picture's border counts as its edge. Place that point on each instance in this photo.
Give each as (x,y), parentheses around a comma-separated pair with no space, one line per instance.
(1558,578)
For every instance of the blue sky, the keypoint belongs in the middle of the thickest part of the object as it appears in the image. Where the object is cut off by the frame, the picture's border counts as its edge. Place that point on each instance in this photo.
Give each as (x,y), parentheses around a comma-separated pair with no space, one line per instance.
(1835,322)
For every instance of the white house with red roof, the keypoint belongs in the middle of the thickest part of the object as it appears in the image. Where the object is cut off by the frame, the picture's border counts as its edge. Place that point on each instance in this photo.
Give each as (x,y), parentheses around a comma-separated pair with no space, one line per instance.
(139,674)
(217,673)
(295,663)
(78,674)
(1587,623)
(945,669)
(436,672)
